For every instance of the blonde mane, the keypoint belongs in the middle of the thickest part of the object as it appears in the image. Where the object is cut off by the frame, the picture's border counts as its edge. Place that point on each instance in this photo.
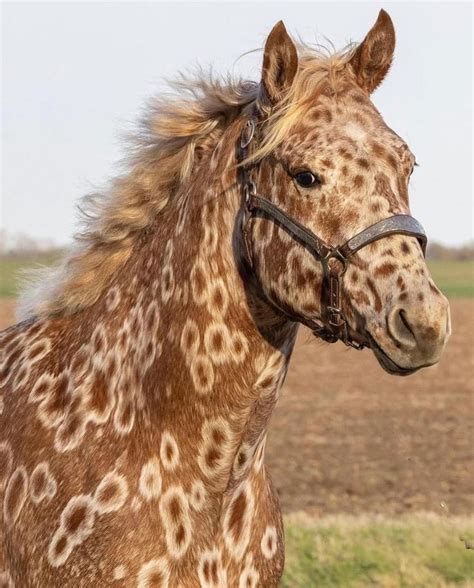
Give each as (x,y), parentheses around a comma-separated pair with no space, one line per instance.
(163,155)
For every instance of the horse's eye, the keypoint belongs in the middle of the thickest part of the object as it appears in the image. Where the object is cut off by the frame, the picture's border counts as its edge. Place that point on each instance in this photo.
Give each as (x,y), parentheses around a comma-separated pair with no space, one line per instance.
(307,179)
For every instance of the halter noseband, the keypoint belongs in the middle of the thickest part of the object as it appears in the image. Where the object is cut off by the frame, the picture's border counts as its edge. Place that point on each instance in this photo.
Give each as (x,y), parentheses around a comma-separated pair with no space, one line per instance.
(334,260)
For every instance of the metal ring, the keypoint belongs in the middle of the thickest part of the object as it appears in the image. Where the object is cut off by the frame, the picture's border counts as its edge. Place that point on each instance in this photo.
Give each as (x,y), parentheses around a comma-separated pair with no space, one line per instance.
(336,254)
(247,134)
(252,188)
(249,190)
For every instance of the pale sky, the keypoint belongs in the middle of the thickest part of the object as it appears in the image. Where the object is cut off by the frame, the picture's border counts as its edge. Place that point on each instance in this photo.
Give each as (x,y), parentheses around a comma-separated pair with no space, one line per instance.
(75,76)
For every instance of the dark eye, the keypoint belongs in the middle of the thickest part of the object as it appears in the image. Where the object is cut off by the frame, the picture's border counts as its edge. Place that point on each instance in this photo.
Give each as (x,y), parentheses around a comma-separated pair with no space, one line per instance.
(307,179)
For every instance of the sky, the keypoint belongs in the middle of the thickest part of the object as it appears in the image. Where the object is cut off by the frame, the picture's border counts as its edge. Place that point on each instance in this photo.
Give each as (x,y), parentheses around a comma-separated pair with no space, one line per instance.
(75,76)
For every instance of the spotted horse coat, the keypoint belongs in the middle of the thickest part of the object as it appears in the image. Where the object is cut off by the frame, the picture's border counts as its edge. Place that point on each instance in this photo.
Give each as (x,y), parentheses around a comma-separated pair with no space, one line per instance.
(137,392)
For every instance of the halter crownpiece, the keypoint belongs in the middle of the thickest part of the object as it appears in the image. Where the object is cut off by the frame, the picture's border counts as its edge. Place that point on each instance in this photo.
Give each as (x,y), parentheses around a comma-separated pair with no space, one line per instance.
(334,260)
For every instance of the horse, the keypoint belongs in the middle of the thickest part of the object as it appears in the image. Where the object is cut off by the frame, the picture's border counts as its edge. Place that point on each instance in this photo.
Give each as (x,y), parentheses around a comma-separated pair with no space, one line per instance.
(136,391)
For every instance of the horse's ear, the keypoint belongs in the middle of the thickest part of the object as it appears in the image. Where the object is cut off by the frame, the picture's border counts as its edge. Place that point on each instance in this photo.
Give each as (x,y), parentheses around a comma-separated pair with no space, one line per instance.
(373,57)
(280,62)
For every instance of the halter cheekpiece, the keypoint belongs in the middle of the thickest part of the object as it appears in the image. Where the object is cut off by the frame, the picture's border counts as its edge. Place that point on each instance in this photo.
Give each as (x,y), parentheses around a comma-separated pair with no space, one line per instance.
(334,259)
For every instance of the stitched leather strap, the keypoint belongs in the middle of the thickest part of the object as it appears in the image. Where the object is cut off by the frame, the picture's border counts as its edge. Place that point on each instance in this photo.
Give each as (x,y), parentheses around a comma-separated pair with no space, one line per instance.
(311,241)
(399,224)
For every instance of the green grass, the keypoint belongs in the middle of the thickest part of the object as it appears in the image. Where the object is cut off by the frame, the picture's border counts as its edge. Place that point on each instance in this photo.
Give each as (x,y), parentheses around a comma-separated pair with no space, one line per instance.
(410,552)
(11,267)
(455,278)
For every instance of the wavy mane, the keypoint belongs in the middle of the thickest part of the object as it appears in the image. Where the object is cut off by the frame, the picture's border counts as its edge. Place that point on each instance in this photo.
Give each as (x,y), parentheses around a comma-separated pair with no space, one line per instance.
(163,153)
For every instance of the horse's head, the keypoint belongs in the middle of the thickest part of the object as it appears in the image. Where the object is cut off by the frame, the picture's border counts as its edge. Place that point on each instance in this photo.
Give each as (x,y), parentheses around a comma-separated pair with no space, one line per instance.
(328,160)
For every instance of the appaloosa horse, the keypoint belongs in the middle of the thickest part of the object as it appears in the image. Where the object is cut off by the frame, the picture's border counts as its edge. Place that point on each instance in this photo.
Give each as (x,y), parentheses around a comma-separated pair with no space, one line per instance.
(137,392)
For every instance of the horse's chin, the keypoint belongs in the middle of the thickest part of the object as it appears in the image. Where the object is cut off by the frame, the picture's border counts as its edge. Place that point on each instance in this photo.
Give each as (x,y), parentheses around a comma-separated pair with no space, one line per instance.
(387,362)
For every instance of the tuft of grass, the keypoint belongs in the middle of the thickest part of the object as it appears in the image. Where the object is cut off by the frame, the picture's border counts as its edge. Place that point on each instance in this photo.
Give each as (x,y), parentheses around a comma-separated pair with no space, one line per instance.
(358,552)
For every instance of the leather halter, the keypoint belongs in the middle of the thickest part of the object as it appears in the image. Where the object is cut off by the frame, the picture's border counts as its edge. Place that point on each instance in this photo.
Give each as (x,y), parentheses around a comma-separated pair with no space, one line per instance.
(334,259)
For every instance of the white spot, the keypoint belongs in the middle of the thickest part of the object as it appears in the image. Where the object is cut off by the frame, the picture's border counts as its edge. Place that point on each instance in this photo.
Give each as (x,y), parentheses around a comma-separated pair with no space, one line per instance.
(197,495)
(112,299)
(174,511)
(111,493)
(239,347)
(59,549)
(152,319)
(249,577)
(15,495)
(6,461)
(218,298)
(243,459)
(202,374)
(6,580)
(71,431)
(210,570)
(150,479)
(42,388)
(218,341)
(260,454)
(154,571)
(22,376)
(215,453)
(99,344)
(167,282)
(42,483)
(38,350)
(210,240)
(190,340)
(355,131)
(52,408)
(169,451)
(72,530)
(123,339)
(199,283)
(269,542)
(237,530)
(124,414)
(119,572)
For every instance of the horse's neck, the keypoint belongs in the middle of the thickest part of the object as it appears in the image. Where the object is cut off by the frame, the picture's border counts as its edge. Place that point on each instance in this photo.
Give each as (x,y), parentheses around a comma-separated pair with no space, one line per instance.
(177,339)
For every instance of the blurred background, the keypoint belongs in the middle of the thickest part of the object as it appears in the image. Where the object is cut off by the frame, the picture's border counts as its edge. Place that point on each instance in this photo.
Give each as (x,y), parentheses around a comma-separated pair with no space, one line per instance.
(374,472)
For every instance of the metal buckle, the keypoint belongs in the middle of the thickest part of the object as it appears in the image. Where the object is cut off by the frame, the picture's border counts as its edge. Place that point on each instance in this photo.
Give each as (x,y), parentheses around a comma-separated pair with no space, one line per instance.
(325,334)
(247,133)
(250,189)
(349,342)
(355,345)
(335,312)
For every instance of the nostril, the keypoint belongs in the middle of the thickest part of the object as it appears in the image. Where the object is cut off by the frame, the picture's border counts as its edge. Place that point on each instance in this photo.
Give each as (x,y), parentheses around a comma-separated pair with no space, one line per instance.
(406,324)
(400,329)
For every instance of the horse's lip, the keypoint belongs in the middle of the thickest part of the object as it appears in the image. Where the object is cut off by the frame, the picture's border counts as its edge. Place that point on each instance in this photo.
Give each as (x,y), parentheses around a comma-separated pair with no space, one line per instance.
(387,362)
